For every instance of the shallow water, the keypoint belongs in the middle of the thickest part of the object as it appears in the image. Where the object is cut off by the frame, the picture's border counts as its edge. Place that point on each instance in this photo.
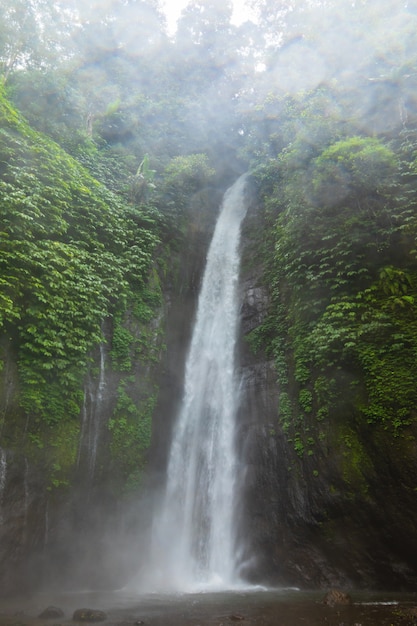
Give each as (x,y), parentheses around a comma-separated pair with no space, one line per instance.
(279,607)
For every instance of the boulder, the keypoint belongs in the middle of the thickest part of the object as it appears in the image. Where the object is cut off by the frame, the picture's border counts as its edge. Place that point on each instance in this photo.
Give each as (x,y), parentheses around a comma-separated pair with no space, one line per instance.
(51,612)
(411,612)
(336,597)
(89,615)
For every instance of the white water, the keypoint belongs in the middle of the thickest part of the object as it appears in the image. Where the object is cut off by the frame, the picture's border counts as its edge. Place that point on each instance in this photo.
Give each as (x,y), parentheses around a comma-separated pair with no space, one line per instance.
(91,413)
(194,545)
(3,477)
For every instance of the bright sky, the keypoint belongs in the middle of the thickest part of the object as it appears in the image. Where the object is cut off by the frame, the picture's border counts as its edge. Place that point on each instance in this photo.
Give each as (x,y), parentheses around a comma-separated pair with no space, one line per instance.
(173,9)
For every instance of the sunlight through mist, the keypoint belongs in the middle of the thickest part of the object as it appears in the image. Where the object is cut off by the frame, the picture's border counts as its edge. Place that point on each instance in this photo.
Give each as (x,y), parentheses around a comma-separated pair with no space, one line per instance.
(173,9)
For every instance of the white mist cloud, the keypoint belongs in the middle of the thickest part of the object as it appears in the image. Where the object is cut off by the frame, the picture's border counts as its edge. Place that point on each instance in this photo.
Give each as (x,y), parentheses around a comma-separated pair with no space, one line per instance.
(299,67)
(173,9)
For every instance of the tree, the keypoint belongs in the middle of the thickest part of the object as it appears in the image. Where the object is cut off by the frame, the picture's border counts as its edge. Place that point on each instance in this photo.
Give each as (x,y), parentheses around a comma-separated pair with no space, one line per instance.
(356,169)
(19,35)
(33,33)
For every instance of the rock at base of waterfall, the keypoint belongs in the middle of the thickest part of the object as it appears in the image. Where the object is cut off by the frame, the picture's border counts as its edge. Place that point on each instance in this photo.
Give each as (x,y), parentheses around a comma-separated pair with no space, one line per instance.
(411,612)
(51,612)
(336,597)
(89,615)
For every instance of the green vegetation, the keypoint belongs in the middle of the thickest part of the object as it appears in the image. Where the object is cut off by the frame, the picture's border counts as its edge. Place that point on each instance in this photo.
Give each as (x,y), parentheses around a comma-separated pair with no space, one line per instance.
(131,429)
(71,254)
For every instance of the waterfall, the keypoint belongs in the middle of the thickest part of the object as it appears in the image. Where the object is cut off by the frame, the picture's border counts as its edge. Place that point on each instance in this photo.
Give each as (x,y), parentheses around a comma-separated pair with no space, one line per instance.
(97,402)
(3,477)
(91,417)
(194,542)
(26,492)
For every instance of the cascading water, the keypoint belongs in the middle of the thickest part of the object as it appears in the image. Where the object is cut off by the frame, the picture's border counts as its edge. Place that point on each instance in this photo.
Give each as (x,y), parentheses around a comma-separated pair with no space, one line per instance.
(194,543)
(91,415)
(3,477)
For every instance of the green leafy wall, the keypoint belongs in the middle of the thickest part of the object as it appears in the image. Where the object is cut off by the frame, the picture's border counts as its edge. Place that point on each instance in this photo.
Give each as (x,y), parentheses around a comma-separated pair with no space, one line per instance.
(73,256)
(340,261)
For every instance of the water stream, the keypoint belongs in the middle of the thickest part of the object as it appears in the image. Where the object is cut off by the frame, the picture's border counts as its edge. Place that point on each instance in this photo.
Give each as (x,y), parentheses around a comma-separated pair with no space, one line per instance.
(194,543)
(3,477)
(91,414)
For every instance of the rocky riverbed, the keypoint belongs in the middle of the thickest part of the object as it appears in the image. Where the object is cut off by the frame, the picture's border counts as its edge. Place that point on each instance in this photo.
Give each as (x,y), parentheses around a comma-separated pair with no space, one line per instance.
(262,608)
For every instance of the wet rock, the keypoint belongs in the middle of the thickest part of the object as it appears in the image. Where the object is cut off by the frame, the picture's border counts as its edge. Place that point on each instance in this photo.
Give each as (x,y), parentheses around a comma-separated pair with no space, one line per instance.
(411,612)
(236,617)
(51,612)
(336,597)
(89,615)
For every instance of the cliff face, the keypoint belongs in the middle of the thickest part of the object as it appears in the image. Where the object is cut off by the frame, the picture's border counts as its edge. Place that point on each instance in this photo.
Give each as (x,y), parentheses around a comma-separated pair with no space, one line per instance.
(69,504)
(337,513)
(180,292)
(340,512)
(80,339)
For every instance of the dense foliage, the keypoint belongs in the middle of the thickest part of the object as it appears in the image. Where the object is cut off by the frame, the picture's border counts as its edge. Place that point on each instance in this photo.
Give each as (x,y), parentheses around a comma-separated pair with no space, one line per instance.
(72,255)
(343,273)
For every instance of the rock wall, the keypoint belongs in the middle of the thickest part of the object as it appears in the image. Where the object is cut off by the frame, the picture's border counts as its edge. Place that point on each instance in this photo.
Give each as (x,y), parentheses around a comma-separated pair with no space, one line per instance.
(70,513)
(343,514)
(180,291)
(66,514)
(339,514)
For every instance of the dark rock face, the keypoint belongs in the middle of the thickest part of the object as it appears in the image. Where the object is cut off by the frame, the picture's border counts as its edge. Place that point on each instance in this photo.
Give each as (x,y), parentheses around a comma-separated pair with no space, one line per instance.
(339,515)
(22,519)
(181,291)
(53,533)
(264,485)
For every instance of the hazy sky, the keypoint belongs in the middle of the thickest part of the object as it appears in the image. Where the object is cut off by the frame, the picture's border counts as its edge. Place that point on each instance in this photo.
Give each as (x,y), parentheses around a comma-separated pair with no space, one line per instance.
(173,9)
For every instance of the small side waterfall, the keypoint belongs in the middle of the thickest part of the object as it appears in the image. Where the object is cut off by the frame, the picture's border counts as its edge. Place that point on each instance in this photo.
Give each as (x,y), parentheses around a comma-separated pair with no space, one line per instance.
(91,417)
(3,477)
(194,544)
